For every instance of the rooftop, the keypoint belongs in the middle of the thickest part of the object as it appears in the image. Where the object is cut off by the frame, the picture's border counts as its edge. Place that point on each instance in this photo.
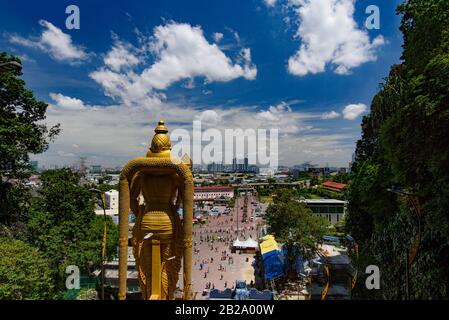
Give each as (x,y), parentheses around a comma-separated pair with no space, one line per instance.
(214,188)
(335,185)
(323,201)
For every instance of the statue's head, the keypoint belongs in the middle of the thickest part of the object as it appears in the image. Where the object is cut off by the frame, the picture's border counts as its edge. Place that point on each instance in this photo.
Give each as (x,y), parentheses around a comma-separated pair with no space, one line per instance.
(160,145)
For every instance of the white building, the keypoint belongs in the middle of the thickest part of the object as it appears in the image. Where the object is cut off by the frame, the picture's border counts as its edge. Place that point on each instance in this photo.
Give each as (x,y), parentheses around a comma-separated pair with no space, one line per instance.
(331,209)
(111,197)
(213,192)
(111,203)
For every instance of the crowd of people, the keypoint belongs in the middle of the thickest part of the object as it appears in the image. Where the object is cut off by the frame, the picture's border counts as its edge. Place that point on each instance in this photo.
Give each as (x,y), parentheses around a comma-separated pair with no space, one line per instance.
(217,265)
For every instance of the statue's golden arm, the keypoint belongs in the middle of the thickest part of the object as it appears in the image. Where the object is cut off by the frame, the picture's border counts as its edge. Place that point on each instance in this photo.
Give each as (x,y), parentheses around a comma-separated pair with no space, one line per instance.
(134,194)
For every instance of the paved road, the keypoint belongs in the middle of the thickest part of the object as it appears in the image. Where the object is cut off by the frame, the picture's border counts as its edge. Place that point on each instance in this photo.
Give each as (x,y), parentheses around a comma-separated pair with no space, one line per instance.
(221,231)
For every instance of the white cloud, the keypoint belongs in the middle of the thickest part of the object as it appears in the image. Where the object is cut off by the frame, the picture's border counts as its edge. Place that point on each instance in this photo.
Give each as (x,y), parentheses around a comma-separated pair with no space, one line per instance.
(111,135)
(330,36)
(209,117)
(16,39)
(353,111)
(217,36)
(181,52)
(114,134)
(55,42)
(68,103)
(270,3)
(275,113)
(330,115)
(121,56)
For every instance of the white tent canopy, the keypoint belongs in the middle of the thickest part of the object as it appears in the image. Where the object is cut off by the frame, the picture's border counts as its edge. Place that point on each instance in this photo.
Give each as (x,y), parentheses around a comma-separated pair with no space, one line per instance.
(250,243)
(237,243)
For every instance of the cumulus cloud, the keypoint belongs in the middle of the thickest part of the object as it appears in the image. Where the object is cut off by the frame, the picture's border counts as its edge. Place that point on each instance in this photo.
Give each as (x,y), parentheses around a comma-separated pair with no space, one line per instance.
(217,36)
(209,117)
(353,111)
(113,134)
(330,36)
(67,103)
(121,56)
(56,43)
(275,113)
(181,52)
(330,115)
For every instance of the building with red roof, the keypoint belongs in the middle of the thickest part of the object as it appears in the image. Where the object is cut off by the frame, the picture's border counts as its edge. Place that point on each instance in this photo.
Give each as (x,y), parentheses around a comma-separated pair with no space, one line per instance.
(334,186)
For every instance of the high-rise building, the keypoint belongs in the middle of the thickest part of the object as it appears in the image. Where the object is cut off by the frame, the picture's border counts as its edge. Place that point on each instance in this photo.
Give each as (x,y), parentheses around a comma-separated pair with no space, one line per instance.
(95,169)
(215,167)
(245,165)
(111,198)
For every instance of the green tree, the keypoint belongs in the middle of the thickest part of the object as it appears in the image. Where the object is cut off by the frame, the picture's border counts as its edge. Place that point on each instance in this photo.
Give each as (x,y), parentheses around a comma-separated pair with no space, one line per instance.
(21,133)
(63,225)
(24,272)
(314,180)
(404,143)
(292,223)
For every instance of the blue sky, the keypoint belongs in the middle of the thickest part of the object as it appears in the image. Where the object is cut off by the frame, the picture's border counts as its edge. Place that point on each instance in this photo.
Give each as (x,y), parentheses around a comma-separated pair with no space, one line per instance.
(308,68)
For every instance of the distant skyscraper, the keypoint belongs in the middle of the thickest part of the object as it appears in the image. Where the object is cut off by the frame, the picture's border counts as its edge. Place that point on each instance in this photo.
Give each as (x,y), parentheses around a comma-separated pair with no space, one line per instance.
(95,169)
(234,164)
(83,168)
(245,165)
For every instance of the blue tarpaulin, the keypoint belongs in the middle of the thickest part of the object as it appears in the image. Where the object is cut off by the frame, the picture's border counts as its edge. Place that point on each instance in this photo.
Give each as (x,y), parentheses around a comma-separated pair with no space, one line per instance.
(273,262)
(272,258)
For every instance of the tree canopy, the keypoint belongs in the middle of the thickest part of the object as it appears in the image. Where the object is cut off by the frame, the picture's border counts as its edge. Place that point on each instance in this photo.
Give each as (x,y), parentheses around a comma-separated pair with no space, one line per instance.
(24,272)
(292,223)
(21,133)
(404,143)
(63,225)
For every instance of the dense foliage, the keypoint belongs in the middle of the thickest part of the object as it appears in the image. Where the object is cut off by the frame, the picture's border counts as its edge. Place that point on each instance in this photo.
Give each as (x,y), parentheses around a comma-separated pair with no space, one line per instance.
(292,223)
(21,133)
(63,225)
(24,272)
(58,226)
(404,143)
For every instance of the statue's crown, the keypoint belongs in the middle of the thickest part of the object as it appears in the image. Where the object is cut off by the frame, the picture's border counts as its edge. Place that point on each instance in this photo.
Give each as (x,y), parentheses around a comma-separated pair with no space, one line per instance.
(160,145)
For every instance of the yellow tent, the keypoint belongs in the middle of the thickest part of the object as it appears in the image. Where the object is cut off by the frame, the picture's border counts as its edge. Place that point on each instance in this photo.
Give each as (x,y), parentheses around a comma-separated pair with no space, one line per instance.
(267,244)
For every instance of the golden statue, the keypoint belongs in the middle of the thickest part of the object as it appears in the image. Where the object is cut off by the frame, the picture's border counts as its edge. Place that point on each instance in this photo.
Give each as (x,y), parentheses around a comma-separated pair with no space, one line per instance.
(153,188)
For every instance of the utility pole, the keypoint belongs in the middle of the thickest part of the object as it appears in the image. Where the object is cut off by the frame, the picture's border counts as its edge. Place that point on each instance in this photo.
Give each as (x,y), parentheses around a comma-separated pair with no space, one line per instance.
(103,245)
